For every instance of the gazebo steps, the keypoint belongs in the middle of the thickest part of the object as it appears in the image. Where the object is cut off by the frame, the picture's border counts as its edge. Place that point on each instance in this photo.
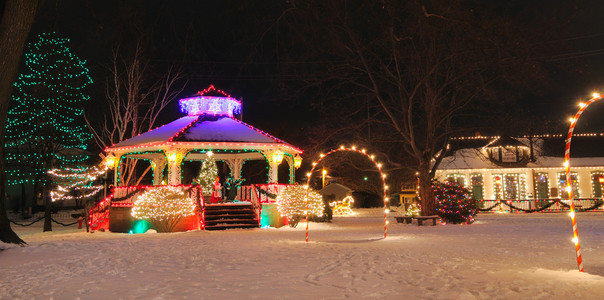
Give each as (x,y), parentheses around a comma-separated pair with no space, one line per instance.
(220,216)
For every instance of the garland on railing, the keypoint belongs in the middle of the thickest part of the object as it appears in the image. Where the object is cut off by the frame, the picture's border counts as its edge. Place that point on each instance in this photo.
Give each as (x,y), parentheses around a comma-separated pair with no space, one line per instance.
(548,205)
(487,209)
(598,204)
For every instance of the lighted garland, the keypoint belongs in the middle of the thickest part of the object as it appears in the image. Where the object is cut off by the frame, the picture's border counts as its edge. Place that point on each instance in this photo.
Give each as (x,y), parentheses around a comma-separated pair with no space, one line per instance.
(163,207)
(291,203)
(454,204)
(76,183)
(45,122)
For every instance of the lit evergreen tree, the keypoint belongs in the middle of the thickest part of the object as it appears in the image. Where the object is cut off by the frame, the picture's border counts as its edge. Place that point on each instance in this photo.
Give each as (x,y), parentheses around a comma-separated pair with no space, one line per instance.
(207,174)
(45,127)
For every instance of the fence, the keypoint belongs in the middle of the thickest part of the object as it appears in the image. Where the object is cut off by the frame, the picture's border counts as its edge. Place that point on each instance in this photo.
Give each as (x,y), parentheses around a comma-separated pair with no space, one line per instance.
(538,205)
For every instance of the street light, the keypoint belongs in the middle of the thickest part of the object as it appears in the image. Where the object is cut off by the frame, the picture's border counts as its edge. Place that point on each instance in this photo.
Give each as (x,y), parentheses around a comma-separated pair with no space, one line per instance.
(324,173)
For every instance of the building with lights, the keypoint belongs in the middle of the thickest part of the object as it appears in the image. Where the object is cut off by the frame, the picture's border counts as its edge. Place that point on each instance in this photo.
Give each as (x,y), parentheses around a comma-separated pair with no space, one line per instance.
(210,128)
(525,168)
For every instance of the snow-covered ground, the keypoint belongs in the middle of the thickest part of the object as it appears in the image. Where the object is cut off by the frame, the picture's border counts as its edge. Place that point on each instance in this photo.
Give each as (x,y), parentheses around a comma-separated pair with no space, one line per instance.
(507,256)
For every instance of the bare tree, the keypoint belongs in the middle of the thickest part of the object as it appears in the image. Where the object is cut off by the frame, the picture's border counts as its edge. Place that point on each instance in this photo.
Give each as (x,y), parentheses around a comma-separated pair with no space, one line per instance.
(134,103)
(424,64)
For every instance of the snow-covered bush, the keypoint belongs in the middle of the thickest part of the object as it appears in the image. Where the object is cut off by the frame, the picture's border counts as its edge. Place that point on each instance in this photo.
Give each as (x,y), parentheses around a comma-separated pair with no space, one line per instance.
(163,207)
(453,203)
(291,203)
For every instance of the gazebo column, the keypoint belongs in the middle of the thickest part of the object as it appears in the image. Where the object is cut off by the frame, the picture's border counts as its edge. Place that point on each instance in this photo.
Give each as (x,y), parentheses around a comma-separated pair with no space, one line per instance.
(235,166)
(117,167)
(158,165)
(274,159)
(174,158)
(292,169)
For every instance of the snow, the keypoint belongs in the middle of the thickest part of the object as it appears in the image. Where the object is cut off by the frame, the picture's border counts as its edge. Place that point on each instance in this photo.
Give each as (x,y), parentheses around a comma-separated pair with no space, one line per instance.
(501,256)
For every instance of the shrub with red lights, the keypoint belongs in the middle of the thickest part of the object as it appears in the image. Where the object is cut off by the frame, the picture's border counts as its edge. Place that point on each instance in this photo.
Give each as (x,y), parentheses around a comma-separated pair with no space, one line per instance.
(453,203)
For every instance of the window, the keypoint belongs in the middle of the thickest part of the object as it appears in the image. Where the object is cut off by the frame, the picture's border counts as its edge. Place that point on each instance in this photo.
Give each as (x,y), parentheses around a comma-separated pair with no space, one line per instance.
(574,178)
(459,179)
(597,183)
(477,186)
(509,186)
(541,186)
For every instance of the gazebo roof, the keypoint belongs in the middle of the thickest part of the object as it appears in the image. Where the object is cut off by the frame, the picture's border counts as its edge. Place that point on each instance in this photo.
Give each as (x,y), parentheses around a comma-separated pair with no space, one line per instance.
(210,124)
(204,129)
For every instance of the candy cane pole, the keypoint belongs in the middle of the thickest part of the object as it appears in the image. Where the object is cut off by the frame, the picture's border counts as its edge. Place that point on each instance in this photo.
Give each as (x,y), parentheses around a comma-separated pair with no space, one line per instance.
(569,189)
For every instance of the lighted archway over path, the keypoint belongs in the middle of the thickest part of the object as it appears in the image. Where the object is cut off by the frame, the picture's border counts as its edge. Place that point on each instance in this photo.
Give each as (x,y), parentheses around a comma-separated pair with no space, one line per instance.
(569,189)
(372,158)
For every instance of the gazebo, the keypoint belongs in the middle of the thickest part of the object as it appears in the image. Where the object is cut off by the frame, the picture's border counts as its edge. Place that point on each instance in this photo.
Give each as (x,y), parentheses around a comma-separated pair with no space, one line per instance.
(210,126)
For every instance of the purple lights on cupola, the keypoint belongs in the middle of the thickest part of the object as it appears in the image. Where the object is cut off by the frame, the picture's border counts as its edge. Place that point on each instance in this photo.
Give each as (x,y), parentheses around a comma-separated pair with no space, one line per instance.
(202,104)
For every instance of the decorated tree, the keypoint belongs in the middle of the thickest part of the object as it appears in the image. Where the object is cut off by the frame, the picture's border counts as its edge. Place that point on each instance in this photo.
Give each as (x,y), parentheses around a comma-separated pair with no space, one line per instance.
(45,127)
(207,174)
(163,207)
(453,203)
(291,203)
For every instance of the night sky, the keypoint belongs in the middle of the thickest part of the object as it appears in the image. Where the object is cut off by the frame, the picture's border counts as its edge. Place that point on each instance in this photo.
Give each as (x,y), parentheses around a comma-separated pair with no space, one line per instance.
(231,44)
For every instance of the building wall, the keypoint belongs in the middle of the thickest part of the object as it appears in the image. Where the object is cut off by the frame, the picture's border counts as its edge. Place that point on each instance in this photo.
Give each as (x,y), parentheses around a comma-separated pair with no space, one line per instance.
(584,174)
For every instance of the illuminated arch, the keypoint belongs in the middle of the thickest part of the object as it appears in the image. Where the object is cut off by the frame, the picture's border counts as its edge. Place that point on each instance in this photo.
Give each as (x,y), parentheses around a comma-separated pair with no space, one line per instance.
(573,121)
(372,158)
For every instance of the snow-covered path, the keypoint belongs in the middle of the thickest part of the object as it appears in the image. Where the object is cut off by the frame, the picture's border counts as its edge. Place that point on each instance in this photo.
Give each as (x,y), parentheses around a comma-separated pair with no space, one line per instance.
(501,256)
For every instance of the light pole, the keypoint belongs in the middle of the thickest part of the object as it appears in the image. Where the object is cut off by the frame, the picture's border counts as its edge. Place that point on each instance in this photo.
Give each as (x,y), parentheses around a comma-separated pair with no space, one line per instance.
(323,181)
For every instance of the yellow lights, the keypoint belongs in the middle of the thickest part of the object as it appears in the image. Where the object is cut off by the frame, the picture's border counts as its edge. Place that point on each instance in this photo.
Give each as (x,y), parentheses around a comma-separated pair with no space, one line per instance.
(324,172)
(575,240)
(209,153)
(386,211)
(321,155)
(308,174)
(354,148)
(383,175)
(277,157)
(314,163)
(342,147)
(565,164)
(385,187)
(568,188)
(571,214)
(572,120)
(297,161)
(363,151)
(596,95)
(581,104)
(379,166)
(372,157)
(110,161)
(172,157)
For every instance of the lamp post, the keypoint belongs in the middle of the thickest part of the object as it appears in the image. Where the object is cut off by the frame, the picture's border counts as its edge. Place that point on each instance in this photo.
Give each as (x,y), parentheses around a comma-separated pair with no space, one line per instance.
(323,181)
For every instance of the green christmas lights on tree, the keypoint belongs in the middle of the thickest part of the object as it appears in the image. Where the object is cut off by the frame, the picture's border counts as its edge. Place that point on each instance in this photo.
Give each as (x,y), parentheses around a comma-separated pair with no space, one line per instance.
(45,127)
